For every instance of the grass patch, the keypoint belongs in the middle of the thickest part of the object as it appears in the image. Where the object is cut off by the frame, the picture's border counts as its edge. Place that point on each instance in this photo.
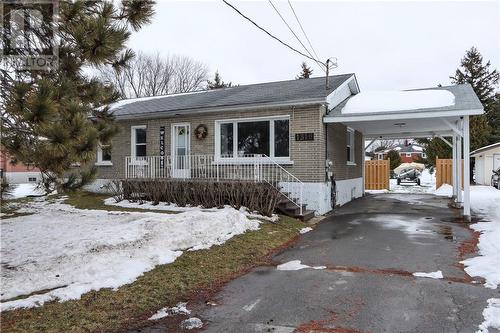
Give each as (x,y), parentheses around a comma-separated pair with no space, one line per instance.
(9,207)
(87,200)
(193,273)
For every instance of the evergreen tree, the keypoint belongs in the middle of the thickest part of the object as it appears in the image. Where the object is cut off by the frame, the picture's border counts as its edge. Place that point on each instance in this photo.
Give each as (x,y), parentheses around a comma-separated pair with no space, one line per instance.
(435,148)
(53,119)
(305,72)
(217,83)
(395,159)
(484,82)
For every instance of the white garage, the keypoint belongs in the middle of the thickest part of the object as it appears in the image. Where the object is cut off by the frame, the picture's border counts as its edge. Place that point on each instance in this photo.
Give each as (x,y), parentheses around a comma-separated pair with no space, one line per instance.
(487,159)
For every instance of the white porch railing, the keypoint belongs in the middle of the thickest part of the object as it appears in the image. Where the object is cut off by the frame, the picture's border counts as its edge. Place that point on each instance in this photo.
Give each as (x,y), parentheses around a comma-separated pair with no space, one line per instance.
(257,168)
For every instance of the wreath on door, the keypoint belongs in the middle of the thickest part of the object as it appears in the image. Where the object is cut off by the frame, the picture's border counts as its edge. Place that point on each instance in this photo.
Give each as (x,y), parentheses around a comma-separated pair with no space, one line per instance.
(201,131)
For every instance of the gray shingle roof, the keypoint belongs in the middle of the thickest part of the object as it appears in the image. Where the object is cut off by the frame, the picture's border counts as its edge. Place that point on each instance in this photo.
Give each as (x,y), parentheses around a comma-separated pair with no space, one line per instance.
(246,95)
(465,99)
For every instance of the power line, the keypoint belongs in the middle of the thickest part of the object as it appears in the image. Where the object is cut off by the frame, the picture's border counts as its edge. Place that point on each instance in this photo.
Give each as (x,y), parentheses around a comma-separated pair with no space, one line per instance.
(301,28)
(271,35)
(293,32)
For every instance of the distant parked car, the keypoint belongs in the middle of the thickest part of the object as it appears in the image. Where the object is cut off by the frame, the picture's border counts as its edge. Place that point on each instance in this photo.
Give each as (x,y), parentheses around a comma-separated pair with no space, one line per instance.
(408,175)
(495,178)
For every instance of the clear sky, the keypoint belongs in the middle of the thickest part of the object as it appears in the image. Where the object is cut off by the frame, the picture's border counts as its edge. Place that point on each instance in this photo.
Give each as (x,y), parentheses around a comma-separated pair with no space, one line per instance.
(388,44)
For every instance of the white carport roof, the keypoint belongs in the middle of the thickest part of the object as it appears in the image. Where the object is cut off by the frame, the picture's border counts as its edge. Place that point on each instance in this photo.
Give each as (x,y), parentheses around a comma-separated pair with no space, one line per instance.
(410,122)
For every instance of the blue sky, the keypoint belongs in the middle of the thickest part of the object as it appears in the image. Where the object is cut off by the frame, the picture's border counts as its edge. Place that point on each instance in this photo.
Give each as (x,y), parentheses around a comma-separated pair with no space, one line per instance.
(388,44)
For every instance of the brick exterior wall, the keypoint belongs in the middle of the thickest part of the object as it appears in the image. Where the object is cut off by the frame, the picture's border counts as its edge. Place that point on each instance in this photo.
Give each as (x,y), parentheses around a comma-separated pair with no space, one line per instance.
(336,135)
(308,156)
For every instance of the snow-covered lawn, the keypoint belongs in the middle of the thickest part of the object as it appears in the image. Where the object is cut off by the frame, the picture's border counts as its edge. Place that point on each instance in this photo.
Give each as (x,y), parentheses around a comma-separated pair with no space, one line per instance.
(17,191)
(485,201)
(61,252)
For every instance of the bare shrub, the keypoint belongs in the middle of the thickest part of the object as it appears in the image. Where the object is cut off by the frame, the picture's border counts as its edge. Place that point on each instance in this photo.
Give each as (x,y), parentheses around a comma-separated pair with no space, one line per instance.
(259,197)
(115,188)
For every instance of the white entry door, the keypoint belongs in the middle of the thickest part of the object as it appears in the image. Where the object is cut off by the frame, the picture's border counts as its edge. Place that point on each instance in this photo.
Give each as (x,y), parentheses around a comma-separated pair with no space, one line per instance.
(180,151)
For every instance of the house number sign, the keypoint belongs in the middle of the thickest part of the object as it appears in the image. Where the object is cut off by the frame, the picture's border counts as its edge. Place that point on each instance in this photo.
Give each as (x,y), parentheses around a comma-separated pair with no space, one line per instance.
(304,136)
(162,147)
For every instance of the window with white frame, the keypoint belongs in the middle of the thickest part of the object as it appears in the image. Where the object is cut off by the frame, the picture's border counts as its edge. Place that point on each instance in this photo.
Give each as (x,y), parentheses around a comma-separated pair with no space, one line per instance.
(103,155)
(424,155)
(350,145)
(247,137)
(408,154)
(138,141)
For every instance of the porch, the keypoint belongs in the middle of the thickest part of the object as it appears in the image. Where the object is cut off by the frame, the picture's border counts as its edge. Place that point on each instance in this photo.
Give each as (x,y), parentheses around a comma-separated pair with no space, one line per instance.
(255,168)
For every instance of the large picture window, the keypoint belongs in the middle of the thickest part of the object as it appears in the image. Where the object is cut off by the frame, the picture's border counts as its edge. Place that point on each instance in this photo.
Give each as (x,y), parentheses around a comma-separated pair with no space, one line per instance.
(239,139)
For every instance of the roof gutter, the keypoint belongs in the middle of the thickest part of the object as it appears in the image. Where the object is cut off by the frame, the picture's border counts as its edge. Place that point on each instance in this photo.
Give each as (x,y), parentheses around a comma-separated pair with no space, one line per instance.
(173,113)
(416,114)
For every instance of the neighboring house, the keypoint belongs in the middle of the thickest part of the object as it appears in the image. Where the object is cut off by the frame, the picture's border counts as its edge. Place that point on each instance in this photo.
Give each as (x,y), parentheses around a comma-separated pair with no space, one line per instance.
(487,159)
(17,173)
(291,134)
(409,152)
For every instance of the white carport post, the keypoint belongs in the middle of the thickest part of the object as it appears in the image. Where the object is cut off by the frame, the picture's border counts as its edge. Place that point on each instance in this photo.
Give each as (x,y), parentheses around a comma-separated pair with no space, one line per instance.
(459,170)
(363,163)
(454,168)
(466,174)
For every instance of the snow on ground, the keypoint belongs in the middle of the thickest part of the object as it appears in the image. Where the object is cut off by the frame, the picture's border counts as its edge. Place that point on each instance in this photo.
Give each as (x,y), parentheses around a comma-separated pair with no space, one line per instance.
(382,101)
(432,275)
(68,252)
(180,308)
(445,190)
(295,265)
(485,201)
(24,190)
(191,323)
(163,206)
(304,230)
(491,316)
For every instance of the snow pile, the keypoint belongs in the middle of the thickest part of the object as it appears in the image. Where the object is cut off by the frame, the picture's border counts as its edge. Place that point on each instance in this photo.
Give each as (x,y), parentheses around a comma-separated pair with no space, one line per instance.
(417,148)
(180,308)
(485,201)
(446,190)
(163,206)
(432,275)
(491,316)
(25,190)
(383,101)
(70,252)
(295,265)
(304,230)
(191,323)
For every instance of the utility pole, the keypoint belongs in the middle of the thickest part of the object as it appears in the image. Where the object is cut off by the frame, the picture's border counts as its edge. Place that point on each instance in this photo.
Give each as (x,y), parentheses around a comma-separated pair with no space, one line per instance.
(327,73)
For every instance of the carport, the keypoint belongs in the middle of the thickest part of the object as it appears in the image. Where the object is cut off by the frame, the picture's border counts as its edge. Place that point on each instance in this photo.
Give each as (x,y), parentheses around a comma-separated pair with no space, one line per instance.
(442,112)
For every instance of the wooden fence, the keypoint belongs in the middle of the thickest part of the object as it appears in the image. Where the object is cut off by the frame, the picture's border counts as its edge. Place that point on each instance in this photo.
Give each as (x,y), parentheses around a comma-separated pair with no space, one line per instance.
(377,174)
(444,172)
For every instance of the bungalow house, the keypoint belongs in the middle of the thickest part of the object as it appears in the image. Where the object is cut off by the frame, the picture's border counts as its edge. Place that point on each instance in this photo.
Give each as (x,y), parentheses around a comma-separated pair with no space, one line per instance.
(291,134)
(409,152)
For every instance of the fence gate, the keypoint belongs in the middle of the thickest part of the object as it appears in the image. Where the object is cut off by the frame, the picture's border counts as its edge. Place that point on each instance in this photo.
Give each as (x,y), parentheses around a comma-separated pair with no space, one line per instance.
(444,172)
(377,174)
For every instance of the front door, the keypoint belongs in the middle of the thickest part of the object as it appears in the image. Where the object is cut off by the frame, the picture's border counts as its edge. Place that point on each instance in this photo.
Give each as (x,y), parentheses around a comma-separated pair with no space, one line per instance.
(180,151)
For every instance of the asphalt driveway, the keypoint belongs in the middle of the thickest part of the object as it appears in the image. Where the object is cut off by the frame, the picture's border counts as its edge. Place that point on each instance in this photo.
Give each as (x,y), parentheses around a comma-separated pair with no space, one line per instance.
(370,248)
